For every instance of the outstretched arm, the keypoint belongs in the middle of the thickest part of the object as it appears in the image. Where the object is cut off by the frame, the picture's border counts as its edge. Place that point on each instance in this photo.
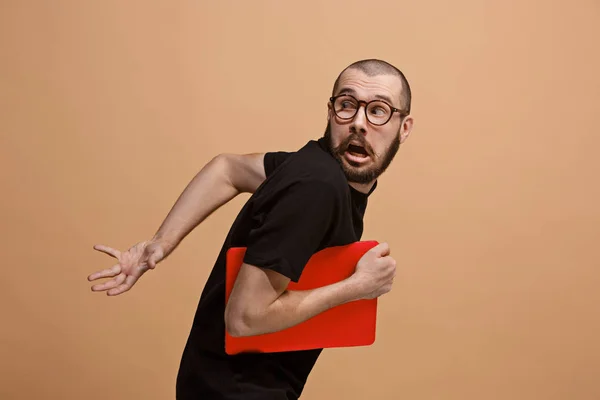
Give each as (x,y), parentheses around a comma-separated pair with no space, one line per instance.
(219,181)
(222,179)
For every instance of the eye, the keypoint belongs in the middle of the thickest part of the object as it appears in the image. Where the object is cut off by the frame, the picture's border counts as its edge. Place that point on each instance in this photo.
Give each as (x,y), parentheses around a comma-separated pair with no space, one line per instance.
(378,110)
(348,104)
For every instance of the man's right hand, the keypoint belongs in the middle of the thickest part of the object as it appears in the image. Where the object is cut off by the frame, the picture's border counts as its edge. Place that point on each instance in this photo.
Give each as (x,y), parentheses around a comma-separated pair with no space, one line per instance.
(131,265)
(219,181)
(375,272)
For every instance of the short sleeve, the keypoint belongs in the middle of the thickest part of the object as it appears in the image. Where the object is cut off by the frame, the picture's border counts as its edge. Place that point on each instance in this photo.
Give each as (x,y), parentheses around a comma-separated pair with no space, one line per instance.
(286,233)
(273,160)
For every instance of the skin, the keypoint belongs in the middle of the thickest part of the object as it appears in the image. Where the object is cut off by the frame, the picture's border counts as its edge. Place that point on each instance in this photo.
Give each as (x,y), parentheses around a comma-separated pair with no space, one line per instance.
(260,302)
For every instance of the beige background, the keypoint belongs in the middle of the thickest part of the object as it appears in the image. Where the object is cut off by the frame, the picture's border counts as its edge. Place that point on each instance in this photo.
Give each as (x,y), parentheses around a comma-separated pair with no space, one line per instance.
(109,108)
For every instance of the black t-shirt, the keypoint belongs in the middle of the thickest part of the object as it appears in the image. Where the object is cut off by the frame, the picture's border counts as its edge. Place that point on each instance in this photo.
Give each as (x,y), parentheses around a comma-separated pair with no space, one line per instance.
(304,206)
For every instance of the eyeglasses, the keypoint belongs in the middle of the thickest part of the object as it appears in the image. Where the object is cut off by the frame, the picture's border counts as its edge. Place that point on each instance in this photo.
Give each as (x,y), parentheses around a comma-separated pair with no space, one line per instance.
(378,112)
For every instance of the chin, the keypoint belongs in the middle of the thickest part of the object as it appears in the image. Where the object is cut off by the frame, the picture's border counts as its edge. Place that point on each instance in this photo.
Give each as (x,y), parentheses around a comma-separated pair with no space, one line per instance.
(359,174)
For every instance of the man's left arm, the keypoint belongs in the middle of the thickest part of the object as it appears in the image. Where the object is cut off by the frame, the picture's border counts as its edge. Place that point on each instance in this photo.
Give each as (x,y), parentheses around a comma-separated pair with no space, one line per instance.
(287,231)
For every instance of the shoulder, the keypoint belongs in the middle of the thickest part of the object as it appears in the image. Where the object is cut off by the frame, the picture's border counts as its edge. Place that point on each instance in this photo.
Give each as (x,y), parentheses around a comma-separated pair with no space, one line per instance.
(272,160)
(307,174)
(313,165)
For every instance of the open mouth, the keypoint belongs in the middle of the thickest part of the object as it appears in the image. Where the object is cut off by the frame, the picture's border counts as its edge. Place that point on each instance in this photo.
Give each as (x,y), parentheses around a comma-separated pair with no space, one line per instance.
(357,151)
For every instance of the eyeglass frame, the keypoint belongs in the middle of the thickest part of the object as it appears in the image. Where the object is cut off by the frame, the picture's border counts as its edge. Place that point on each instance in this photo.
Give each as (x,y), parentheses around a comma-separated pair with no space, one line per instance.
(332,99)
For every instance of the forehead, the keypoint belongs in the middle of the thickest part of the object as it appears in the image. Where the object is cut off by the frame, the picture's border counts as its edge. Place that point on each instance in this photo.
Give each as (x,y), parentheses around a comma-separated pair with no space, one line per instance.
(365,87)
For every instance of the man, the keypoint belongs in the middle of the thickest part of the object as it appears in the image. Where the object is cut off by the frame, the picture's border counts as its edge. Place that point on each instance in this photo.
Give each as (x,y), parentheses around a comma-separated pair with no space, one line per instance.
(301,203)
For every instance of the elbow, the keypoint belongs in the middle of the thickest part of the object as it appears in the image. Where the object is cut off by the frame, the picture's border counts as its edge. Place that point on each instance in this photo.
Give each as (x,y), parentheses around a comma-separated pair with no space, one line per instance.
(237,331)
(224,163)
(238,323)
(236,327)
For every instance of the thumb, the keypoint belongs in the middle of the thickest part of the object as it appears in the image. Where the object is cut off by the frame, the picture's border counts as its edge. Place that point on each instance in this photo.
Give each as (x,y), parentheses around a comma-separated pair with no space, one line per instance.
(382,249)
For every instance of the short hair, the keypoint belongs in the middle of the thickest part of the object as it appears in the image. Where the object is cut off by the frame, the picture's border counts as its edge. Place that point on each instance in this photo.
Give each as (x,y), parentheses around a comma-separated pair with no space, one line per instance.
(374,67)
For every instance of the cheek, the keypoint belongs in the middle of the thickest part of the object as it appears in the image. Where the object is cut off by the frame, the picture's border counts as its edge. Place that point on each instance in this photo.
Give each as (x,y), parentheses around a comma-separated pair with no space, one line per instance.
(383,142)
(337,134)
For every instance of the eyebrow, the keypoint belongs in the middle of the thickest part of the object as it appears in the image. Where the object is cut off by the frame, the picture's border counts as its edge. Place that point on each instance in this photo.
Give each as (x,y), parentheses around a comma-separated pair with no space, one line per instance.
(377,96)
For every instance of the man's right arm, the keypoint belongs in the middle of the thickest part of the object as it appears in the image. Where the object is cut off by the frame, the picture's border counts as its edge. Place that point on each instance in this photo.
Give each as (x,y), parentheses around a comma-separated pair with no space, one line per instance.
(219,181)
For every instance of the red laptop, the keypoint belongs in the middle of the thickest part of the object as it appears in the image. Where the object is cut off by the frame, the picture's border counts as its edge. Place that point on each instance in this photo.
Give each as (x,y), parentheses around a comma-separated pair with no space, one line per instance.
(347,325)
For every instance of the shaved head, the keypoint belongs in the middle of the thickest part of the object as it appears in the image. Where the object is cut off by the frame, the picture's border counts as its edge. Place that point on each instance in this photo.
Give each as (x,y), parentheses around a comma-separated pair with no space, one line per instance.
(374,67)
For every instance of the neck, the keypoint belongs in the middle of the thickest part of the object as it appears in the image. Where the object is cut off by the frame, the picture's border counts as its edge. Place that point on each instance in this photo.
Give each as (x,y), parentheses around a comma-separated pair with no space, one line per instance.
(362,187)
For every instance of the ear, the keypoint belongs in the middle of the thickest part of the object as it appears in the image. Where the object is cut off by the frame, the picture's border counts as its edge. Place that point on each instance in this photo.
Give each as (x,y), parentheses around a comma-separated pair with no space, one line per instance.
(406,128)
(329,111)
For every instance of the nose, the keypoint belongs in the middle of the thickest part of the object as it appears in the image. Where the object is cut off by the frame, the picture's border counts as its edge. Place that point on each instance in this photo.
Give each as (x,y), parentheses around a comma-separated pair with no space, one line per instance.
(359,123)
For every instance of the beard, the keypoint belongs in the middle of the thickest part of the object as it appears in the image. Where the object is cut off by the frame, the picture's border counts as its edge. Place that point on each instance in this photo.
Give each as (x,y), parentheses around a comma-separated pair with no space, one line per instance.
(355,173)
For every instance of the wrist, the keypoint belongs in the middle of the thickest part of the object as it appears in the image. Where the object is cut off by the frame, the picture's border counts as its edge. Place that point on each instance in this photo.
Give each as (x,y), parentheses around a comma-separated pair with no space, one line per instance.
(166,242)
(352,289)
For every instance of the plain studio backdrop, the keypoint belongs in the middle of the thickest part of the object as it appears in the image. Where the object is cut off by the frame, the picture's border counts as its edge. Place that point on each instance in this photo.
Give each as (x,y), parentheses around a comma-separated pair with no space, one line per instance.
(491,208)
